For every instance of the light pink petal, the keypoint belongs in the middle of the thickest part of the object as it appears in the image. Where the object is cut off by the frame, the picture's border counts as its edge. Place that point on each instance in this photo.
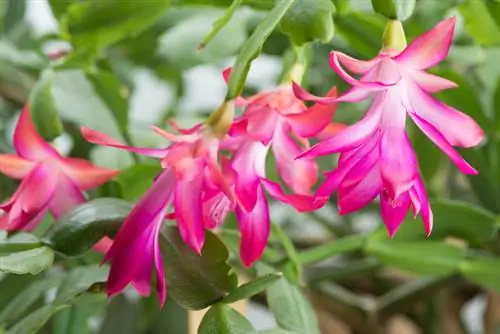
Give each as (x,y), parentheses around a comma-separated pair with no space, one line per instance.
(331,130)
(429,48)
(437,138)
(355,94)
(188,138)
(300,175)
(373,86)
(98,138)
(355,197)
(14,166)
(85,175)
(431,83)
(314,119)
(174,125)
(254,227)
(27,141)
(249,163)
(458,128)
(304,95)
(351,136)
(103,245)
(66,197)
(358,66)
(189,211)
(260,123)
(301,203)
(394,211)
(398,163)
(215,210)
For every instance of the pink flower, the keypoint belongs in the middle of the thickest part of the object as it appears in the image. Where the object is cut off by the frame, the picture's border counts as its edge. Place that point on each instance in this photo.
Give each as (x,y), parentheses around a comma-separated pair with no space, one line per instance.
(376,156)
(277,121)
(190,178)
(50,182)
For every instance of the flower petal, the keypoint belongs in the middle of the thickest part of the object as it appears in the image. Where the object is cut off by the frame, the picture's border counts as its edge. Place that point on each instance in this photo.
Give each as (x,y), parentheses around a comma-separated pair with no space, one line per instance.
(300,175)
(314,119)
(301,203)
(355,197)
(249,163)
(85,175)
(160,276)
(425,208)
(14,166)
(398,163)
(458,128)
(429,48)
(28,143)
(358,66)
(394,211)
(98,138)
(254,227)
(431,83)
(189,211)
(351,136)
(304,95)
(31,198)
(187,138)
(131,249)
(373,86)
(66,197)
(437,138)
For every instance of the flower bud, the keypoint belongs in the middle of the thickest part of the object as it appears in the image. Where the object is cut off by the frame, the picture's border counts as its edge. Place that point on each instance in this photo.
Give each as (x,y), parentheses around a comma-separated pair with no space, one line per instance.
(394,36)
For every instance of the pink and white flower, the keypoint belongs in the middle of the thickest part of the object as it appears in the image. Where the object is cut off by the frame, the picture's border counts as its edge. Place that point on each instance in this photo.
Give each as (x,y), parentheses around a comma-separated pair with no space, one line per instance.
(376,156)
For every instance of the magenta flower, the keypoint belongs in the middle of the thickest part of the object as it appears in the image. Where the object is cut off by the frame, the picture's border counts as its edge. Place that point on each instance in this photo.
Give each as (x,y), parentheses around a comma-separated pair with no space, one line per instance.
(191,175)
(376,156)
(50,182)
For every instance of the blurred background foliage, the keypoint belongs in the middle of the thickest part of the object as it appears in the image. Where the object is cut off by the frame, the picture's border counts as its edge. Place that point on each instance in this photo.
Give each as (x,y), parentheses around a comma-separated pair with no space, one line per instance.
(120,65)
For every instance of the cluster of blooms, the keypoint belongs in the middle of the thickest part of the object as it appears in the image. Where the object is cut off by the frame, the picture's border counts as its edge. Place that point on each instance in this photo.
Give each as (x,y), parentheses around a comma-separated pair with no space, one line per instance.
(220,166)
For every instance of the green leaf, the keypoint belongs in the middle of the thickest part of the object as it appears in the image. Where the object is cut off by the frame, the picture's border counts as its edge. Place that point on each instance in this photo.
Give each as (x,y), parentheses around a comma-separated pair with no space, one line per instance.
(181,44)
(13,245)
(293,269)
(95,24)
(363,32)
(251,288)
(134,181)
(483,271)
(394,9)
(76,232)
(14,14)
(18,305)
(111,91)
(44,112)
(223,319)
(308,21)
(32,261)
(479,21)
(496,105)
(35,320)
(195,281)
(325,251)
(252,47)
(220,23)
(78,281)
(59,7)
(420,257)
(291,309)
(78,318)
(124,316)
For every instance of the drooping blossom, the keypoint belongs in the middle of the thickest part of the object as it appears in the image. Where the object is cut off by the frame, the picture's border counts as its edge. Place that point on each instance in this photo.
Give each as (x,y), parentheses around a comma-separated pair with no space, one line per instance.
(191,174)
(376,156)
(50,182)
(274,120)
